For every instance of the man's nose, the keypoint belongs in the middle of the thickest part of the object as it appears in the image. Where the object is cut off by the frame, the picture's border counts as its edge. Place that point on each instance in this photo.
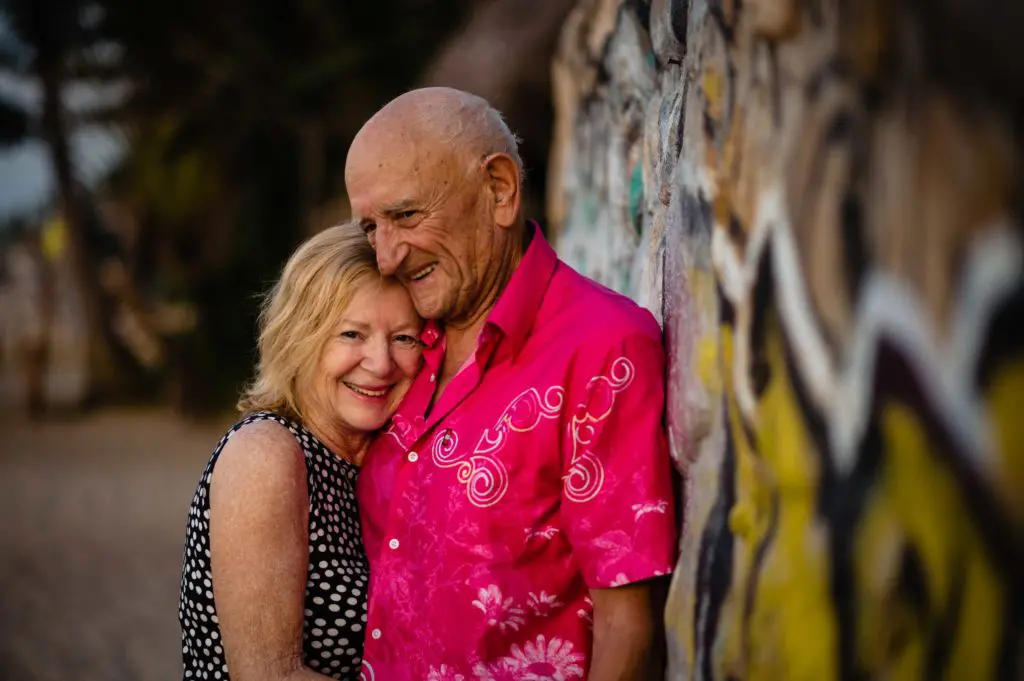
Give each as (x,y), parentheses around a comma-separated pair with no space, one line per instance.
(391,251)
(378,360)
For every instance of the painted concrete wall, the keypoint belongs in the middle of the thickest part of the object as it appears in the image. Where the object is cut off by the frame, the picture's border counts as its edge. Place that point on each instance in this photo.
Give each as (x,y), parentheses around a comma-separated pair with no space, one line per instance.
(822,200)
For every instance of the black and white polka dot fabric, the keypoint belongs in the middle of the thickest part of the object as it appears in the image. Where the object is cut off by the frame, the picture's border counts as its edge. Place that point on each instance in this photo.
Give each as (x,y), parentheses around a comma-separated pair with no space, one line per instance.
(336,581)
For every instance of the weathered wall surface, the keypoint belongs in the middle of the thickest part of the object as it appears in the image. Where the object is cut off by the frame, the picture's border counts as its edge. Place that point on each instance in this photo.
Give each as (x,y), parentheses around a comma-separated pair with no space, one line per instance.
(821,199)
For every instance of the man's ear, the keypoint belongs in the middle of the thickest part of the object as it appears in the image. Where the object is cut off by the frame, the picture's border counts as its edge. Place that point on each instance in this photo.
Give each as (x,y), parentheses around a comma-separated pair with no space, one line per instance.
(504,178)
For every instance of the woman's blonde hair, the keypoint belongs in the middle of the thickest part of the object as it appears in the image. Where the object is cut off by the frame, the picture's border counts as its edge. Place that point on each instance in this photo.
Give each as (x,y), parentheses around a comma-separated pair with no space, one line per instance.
(299,313)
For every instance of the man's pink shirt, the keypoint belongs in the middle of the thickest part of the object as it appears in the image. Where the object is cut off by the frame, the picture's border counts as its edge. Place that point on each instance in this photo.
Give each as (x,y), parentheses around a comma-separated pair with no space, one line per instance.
(541,473)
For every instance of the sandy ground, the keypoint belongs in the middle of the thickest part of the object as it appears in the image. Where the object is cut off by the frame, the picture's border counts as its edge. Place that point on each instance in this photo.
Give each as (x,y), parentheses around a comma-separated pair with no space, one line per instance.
(92,520)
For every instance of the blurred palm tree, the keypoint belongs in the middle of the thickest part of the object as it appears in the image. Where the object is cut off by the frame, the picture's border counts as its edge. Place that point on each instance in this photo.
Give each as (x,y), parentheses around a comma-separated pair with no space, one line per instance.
(40,40)
(239,115)
(14,123)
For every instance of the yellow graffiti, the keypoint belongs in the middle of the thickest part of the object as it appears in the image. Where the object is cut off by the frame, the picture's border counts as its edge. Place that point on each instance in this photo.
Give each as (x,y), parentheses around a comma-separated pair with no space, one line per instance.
(1005,406)
(792,626)
(743,522)
(921,565)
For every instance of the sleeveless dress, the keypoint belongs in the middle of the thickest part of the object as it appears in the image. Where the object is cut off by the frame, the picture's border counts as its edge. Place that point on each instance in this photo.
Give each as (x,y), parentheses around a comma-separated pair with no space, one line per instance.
(336,579)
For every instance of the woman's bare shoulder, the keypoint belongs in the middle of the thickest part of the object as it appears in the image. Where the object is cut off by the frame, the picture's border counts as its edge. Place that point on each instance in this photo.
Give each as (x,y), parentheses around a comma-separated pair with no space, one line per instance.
(262,434)
(260,455)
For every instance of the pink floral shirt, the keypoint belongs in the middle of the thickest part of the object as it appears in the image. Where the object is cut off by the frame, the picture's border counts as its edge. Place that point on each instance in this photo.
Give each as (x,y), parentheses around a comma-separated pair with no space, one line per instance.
(541,473)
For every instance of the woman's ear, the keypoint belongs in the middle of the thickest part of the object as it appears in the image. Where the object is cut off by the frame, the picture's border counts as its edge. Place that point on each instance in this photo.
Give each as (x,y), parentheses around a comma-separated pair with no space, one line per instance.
(503,174)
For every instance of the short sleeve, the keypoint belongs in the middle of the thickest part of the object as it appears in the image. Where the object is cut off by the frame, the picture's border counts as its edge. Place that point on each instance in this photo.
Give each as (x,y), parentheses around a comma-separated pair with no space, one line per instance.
(617,492)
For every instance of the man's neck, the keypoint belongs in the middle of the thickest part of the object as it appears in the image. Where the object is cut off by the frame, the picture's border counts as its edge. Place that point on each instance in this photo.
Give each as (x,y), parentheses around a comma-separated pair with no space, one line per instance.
(461,337)
(460,343)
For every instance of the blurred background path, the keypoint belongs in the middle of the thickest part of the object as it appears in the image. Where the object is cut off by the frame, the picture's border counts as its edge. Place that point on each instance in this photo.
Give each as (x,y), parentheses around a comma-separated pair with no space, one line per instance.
(90,544)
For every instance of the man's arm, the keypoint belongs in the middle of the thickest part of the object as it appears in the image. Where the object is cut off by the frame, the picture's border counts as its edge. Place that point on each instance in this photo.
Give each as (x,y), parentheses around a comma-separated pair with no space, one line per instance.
(618,504)
(623,633)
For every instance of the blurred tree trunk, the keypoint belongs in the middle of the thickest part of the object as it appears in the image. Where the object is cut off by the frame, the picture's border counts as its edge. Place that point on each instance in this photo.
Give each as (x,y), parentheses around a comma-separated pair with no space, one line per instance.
(504,54)
(108,368)
(312,169)
(39,347)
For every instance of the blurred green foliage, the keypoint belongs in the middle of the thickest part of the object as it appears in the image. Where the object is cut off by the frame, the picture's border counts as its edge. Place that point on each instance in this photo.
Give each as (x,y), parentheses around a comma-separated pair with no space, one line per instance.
(238,115)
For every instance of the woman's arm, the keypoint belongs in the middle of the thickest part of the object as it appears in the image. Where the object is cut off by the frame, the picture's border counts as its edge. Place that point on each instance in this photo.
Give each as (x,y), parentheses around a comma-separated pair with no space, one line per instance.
(259,537)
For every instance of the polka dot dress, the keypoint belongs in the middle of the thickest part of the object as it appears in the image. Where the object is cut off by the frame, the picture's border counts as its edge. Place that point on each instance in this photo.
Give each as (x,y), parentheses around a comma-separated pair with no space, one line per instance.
(336,581)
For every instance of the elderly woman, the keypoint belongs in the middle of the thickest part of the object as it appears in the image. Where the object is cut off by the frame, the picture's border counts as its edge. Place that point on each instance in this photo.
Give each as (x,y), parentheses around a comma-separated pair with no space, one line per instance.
(274,579)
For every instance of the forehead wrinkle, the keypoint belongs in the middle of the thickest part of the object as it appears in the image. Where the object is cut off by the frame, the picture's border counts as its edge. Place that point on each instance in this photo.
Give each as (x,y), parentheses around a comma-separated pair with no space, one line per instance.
(427,128)
(384,192)
(398,206)
(454,124)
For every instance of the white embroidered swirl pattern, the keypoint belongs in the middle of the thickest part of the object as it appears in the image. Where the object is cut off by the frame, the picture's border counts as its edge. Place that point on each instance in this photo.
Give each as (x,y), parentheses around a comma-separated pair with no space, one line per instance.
(586,474)
(401,430)
(483,474)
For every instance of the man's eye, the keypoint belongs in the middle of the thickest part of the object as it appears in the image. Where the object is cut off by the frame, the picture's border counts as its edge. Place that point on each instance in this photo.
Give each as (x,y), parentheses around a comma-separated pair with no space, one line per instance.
(369,228)
(405,214)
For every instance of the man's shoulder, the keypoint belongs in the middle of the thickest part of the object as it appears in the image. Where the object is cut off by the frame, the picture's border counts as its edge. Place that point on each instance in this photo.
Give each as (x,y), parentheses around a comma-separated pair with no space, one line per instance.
(595,313)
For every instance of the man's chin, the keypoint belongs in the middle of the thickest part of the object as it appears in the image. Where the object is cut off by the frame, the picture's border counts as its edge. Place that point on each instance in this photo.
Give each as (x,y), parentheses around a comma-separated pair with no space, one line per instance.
(428,308)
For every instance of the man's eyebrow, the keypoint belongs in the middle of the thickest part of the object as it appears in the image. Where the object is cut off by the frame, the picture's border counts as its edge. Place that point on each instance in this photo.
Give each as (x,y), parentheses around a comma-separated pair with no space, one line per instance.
(399,207)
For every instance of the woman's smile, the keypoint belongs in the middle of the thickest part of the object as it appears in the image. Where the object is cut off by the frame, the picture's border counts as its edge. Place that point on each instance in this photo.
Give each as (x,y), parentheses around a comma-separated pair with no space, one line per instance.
(370,392)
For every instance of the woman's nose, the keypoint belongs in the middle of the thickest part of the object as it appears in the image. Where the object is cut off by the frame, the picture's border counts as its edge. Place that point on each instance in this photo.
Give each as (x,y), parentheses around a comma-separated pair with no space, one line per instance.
(378,358)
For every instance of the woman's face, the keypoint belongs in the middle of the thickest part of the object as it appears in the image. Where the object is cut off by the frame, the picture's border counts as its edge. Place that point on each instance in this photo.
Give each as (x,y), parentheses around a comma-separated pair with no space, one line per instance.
(369,361)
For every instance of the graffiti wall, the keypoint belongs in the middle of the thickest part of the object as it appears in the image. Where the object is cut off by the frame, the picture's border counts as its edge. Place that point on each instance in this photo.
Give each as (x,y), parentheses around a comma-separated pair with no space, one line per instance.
(822,200)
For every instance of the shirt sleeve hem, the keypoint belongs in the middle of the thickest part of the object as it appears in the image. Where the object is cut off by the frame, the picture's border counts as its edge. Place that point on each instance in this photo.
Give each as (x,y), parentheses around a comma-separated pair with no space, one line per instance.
(623,579)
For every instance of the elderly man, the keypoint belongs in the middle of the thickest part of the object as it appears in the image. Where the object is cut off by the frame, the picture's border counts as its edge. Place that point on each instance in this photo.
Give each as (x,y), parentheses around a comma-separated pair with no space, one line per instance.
(520,503)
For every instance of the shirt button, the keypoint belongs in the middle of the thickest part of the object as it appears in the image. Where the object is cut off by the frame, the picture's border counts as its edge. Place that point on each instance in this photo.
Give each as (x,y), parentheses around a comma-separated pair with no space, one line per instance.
(413,457)
(393,544)
(433,377)
(375,633)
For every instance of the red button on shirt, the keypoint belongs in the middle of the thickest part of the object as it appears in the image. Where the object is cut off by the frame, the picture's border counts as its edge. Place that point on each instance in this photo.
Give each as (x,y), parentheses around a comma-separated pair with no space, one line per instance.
(541,473)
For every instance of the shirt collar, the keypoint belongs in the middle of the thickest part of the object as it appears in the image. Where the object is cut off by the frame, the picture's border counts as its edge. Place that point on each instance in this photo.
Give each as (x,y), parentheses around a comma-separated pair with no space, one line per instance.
(430,334)
(519,303)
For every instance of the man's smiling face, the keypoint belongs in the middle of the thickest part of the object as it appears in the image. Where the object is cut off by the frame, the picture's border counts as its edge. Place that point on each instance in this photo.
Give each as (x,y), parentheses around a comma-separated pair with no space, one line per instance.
(424,210)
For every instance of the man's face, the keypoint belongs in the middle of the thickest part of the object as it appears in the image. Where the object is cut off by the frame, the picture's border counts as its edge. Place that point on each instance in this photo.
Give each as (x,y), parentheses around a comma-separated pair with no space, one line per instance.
(427,217)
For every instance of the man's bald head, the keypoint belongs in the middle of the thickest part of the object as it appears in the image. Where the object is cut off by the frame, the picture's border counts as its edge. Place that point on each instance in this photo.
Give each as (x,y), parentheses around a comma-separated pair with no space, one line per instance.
(452,121)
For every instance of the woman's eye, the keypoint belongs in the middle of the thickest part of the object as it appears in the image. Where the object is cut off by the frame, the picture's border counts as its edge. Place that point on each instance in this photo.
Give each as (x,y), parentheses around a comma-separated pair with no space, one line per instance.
(405,339)
(351,335)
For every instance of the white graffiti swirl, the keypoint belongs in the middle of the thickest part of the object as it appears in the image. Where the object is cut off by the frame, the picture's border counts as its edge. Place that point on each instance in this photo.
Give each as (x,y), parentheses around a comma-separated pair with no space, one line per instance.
(585,477)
